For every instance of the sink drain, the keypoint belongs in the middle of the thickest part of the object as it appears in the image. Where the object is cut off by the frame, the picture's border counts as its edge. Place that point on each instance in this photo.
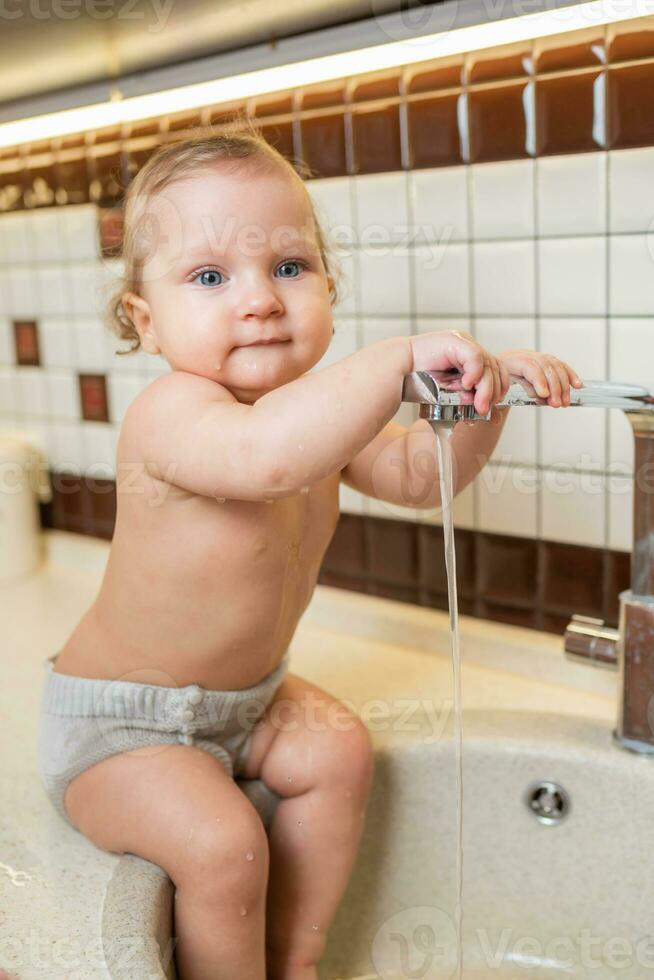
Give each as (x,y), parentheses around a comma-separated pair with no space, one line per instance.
(548,802)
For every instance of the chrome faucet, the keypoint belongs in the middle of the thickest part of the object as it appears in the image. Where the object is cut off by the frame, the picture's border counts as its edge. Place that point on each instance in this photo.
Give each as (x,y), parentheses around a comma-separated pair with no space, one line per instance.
(629,648)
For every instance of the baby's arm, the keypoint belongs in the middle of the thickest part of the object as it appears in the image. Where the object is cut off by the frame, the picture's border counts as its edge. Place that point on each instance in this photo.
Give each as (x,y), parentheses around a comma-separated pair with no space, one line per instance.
(192,432)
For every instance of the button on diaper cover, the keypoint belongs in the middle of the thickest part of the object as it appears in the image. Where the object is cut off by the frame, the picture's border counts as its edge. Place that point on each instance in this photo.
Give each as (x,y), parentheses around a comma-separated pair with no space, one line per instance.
(196,695)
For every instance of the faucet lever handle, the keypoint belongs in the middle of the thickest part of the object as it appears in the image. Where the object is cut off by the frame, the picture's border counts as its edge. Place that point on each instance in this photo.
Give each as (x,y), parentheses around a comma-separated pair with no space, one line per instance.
(590,641)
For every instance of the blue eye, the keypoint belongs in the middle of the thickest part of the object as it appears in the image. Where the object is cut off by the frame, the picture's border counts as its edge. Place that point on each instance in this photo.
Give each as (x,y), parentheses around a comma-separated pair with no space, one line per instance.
(286,265)
(209,272)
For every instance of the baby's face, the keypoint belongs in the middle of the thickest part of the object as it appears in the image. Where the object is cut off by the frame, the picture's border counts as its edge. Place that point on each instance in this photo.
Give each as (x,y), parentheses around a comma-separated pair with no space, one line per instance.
(233,259)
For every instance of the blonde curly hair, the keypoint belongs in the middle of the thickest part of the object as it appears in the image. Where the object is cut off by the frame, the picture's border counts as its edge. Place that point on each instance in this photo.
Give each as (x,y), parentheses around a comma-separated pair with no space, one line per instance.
(239,139)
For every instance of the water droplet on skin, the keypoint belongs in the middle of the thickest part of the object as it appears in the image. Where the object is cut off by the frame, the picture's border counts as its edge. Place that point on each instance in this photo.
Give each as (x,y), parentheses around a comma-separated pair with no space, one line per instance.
(217,819)
(304,489)
(348,793)
(300,447)
(217,366)
(299,823)
(314,926)
(244,911)
(220,500)
(290,779)
(249,856)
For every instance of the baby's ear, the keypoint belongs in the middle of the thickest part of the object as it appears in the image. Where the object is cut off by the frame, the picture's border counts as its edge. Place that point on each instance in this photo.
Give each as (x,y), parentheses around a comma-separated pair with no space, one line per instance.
(138,311)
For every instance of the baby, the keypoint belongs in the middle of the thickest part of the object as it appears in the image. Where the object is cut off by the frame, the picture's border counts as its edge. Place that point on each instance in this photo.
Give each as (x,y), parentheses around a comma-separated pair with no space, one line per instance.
(176,679)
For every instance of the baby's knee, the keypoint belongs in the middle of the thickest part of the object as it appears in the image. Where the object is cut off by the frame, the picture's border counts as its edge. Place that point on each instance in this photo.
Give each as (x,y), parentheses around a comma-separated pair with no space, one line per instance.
(226,856)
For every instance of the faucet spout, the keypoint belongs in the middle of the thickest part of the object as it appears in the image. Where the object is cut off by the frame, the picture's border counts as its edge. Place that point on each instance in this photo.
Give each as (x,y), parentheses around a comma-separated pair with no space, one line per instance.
(443,399)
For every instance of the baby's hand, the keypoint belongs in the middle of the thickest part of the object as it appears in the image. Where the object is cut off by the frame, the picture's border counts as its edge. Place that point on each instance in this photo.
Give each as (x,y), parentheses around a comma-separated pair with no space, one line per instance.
(479,368)
(550,377)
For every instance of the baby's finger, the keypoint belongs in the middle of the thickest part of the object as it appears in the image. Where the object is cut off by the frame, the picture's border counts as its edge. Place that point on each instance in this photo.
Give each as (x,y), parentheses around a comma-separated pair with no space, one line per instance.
(534,373)
(497,382)
(564,381)
(506,380)
(473,364)
(484,392)
(555,398)
(572,374)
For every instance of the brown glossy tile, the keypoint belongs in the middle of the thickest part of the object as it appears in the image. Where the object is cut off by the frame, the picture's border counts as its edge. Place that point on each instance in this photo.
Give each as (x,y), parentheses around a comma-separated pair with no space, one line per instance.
(631,105)
(397,593)
(109,177)
(568,113)
(346,554)
(26,342)
(273,105)
(631,40)
(322,96)
(40,183)
(137,157)
(71,178)
(378,86)
(573,578)
(344,582)
(13,185)
(434,136)
(323,144)
(40,148)
(74,142)
(618,579)
(66,511)
(432,574)
(113,134)
(445,73)
(513,616)
(102,500)
(93,397)
(393,551)
(185,121)
(376,139)
(575,49)
(554,623)
(110,232)
(280,135)
(499,63)
(507,569)
(498,122)
(148,127)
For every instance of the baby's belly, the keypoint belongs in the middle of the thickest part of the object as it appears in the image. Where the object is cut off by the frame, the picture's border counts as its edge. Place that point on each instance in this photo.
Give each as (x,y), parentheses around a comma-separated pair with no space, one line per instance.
(220,640)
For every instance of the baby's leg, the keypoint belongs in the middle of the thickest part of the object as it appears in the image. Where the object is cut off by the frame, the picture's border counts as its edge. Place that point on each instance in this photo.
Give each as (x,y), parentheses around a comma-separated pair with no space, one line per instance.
(175,805)
(325,776)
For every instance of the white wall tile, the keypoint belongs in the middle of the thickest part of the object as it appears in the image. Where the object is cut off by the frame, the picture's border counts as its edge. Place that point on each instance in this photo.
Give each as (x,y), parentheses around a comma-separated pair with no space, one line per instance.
(631,259)
(56,341)
(33,397)
(631,347)
(80,229)
(374,330)
(48,235)
(571,194)
(631,192)
(6,304)
(507,499)
(54,296)
(503,199)
(69,446)
(517,443)
(122,390)
(99,441)
(8,391)
(579,341)
(83,285)
(441,278)
(439,202)
(434,324)
(7,352)
(573,507)
(156,365)
(504,278)
(572,275)
(332,197)
(90,344)
(381,208)
(385,281)
(63,388)
(23,293)
(16,233)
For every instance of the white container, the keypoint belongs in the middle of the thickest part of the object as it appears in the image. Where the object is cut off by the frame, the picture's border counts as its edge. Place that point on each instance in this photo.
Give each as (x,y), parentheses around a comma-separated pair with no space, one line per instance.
(23,482)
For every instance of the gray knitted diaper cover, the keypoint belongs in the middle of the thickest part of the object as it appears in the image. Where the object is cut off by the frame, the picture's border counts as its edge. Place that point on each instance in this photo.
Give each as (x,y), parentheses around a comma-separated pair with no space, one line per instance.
(85,720)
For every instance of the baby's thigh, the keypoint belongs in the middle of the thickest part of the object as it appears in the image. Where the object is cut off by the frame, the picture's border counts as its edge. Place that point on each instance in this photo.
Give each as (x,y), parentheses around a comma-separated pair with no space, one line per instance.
(174,805)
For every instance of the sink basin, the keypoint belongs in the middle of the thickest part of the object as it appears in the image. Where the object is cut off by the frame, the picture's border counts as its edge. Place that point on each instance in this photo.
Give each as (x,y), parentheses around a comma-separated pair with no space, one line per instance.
(568,898)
